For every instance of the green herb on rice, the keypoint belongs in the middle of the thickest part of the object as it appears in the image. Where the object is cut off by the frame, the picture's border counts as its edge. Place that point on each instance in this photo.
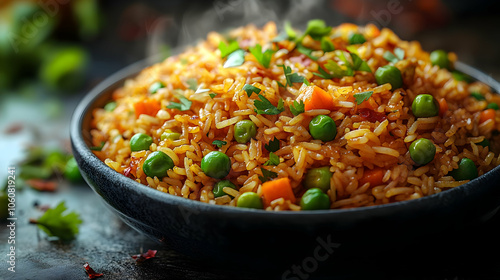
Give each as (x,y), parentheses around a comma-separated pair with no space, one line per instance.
(249,89)
(273,145)
(183,105)
(362,96)
(227,49)
(297,108)
(265,107)
(235,59)
(219,143)
(273,159)
(267,175)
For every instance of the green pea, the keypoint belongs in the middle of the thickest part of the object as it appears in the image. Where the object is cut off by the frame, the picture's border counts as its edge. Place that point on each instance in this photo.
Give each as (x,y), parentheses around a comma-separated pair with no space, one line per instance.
(219,186)
(424,106)
(389,74)
(323,128)
(157,164)
(422,151)
(356,38)
(71,171)
(485,143)
(140,141)
(466,170)
(170,135)
(110,107)
(250,200)
(155,87)
(493,106)
(216,165)
(244,131)
(318,178)
(440,58)
(477,96)
(315,199)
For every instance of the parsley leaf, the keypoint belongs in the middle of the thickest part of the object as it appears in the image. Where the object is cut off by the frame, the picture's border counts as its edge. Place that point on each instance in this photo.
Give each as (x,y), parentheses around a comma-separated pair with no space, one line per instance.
(316,28)
(337,71)
(192,84)
(212,95)
(265,107)
(251,89)
(297,108)
(184,104)
(327,44)
(293,77)
(227,49)
(273,159)
(323,74)
(287,34)
(219,143)
(267,175)
(264,58)
(98,148)
(273,146)
(54,223)
(358,64)
(236,58)
(307,52)
(399,54)
(362,96)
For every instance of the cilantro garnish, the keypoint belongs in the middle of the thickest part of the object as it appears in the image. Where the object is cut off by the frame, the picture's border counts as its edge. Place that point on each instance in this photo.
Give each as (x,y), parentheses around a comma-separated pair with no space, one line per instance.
(251,89)
(307,52)
(265,107)
(297,108)
(267,175)
(273,159)
(292,77)
(287,34)
(323,74)
(264,58)
(273,145)
(184,104)
(234,59)
(212,95)
(337,71)
(362,96)
(327,45)
(98,148)
(399,54)
(54,223)
(316,28)
(227,49)
(192,84)
(219,143)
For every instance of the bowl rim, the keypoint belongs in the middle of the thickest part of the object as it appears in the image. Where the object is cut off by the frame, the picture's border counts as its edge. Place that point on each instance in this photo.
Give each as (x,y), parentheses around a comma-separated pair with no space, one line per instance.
(117,79)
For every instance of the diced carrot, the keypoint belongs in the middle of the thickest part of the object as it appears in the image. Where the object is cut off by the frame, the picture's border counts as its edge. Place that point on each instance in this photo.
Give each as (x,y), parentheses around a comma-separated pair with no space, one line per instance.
(488,114)
(373,176)
(443,106)
(147,107)
(278,188)
(316,98)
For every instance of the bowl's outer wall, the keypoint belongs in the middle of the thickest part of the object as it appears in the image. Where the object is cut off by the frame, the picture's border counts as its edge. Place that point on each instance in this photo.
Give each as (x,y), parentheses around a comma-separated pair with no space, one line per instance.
(227,233)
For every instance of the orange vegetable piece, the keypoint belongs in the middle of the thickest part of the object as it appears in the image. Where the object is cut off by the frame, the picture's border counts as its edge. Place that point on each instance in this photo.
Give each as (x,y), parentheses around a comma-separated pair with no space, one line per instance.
(443,106)
(488,114)
(316,98)
(373,176)
(147,107)
(278,188)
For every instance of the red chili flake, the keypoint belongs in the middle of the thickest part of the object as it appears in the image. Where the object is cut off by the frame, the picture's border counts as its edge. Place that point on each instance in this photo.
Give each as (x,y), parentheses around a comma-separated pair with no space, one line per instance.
(145,256)
(92,274)
(42,185)
(371,115)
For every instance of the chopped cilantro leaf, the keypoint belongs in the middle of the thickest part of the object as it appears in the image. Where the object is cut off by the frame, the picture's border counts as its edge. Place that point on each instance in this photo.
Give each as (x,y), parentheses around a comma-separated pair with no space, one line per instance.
(227,49)
(362,96)
(306,51)
(192,84)
(184,104)
(273,159)
(337,71)
(323,74)
(316,28)
(358,64)
(236,58)
(265,107)
(264,58)
(289,30)
(219,143)
(212,95)
(251,89)
(399,54)
(54,223)
(293,77)
(267,175)
(297,108)
(327,44)
(98,148)
(273,145)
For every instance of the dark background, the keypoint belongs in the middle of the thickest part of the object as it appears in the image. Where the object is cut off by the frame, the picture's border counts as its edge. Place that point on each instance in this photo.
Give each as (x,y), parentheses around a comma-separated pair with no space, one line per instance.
(35,110)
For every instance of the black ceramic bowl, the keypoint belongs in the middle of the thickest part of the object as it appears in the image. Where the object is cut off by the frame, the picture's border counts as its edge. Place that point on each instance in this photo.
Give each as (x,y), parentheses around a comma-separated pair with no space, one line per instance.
(227,233)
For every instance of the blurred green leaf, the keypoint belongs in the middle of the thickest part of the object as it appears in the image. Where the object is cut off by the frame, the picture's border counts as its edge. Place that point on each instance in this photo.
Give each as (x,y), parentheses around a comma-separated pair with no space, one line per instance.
(65,69)
(88,16)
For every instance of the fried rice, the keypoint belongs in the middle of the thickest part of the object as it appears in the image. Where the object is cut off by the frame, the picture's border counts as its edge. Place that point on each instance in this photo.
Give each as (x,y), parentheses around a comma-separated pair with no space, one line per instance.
(374,134)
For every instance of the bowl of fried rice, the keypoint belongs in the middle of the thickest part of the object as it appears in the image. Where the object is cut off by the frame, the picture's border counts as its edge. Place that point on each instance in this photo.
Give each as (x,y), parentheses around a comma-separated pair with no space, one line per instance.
(257,138)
